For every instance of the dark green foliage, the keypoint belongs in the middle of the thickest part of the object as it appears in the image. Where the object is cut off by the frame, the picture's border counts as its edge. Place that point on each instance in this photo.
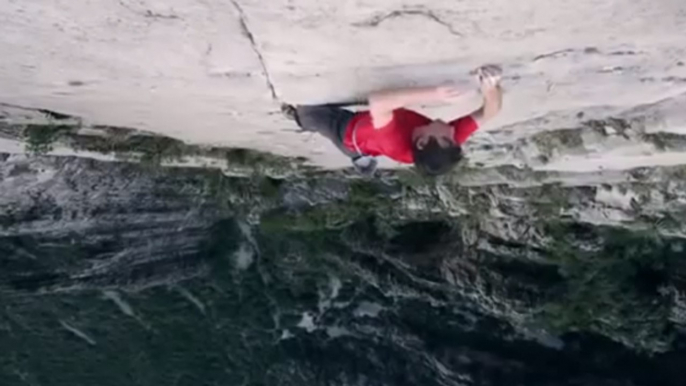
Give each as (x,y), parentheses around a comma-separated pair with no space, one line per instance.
(154,150)
(257,161)
(269,187)
(41,138)
(331,216)
(614,280)
(365,199)
(411,177)
(666,141)
(621,126)
(148,149)
(559,140)
(550,201)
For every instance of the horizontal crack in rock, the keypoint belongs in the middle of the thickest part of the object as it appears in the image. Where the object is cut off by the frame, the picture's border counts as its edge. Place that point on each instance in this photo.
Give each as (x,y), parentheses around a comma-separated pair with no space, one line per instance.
(148,13)
(377,20)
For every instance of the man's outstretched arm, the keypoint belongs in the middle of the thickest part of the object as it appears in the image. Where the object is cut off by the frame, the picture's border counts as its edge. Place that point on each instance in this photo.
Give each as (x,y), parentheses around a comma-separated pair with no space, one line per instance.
(382,104)
(489,77)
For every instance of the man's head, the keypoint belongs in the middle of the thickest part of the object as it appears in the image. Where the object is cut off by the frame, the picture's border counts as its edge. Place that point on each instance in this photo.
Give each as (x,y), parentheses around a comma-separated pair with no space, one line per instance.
(434,148)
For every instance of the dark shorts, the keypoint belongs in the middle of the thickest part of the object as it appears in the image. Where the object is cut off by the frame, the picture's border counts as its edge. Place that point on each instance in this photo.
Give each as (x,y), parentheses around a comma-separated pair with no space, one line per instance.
(328,120)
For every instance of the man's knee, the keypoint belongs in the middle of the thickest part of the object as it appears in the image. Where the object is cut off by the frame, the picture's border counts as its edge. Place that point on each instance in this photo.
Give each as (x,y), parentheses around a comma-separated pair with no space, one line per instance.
(313,117)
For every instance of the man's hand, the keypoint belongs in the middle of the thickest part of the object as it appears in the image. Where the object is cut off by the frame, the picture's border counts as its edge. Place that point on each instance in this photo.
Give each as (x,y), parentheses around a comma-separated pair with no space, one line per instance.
(489,78)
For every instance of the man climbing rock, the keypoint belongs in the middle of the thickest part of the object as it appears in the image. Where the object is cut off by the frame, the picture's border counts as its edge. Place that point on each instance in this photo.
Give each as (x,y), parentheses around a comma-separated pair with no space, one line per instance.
(389,129)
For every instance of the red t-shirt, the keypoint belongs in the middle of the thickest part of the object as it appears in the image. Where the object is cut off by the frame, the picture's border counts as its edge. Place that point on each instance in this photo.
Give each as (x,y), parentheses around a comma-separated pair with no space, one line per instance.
(395,139)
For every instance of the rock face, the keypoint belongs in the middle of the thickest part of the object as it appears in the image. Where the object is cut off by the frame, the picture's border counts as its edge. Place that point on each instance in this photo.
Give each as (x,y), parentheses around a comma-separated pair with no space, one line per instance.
(116,273)
(214,72)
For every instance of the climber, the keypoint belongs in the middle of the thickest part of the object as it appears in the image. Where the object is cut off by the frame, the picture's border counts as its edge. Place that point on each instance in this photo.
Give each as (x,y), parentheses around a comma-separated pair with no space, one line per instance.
(389,129)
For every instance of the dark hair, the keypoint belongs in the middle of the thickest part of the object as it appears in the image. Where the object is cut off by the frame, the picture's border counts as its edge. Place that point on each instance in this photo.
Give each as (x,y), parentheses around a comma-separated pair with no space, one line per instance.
(433,160)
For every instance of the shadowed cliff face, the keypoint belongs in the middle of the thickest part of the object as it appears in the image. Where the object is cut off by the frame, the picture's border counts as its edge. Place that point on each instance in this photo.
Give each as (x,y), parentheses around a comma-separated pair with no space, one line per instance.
(116,273)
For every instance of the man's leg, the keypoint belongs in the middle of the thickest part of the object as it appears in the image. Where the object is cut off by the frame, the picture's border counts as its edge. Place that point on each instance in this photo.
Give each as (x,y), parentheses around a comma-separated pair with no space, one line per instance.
(329,121)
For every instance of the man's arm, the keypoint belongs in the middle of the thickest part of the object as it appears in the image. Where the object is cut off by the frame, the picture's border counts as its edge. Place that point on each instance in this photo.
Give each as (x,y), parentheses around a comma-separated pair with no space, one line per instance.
(382,104)
(492,93)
